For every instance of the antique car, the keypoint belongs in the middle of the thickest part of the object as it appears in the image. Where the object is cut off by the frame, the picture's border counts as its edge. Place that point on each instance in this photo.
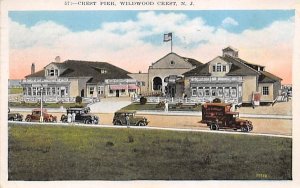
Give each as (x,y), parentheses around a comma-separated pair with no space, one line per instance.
(15,117)
(219,116)
(121,118)
(82,115)
(36,116)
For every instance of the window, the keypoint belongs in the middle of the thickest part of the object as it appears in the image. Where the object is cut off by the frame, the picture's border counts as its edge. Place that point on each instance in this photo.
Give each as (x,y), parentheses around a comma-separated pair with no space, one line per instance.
(220,91)
(200,91)
(172,63)
(51,72)
(100,90)
(213,91)
(207,92)
(53,91)
(226,92)
(111,91)
(56,72)
(131,90)
(34,90)
(265,90)
(92,90)
(103,71)
(224,68)
(29,91)
(123,90)
(219,66)
(194,91)
(214,68)
(233,92)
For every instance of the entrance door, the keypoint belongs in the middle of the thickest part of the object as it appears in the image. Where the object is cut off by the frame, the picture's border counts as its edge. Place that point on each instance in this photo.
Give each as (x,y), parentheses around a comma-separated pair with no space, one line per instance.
(82,93)
(62,93)
(117,93)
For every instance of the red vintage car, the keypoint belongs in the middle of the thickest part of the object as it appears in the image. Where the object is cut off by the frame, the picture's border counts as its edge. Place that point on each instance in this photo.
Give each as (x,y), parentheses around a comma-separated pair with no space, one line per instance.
(36,116)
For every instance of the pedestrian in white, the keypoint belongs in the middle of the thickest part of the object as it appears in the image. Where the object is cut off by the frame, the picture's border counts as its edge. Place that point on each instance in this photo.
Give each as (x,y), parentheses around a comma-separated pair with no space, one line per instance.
(73,117)
(166,106)
(69,115)
(127,120)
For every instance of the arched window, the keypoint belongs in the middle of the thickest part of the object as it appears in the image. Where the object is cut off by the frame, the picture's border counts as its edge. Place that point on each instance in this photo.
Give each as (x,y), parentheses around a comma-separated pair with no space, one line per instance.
(157,83)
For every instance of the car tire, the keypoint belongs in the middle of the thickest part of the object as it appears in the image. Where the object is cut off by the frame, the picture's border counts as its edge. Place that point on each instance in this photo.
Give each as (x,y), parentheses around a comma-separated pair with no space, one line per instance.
(214,127)
(87,121)
(118,123)
(141,124)
(11,119)
(245,129)
(28,119)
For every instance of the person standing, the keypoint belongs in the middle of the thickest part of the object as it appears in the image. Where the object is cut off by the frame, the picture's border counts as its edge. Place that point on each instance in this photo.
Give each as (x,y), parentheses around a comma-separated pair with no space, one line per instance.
(127,120)
(73,117)
(166,106)
(69,115)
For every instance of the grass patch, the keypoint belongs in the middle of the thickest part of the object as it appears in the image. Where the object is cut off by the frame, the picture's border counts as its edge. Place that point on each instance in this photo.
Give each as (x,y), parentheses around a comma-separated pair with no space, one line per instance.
(137,106)
(82,153)
(46,105)
(15,90)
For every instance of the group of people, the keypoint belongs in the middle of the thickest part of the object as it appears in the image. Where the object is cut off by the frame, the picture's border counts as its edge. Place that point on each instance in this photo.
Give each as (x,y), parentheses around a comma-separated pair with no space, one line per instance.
(71,117)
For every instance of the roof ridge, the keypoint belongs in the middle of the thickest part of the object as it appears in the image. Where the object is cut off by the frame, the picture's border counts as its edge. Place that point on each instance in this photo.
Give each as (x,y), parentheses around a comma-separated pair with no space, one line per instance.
(237,60)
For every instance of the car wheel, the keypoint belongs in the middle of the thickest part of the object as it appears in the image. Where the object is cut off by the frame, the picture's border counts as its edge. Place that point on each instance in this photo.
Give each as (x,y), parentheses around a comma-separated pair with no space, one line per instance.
(87,121)
(214,127)
(11,119)
(118,123)
(141,123)
(245,129)
(28,119)
(64,120)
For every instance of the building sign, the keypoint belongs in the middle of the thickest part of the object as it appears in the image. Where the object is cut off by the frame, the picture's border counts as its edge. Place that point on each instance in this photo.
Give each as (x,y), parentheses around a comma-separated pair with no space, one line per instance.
(217,79)
(114,81)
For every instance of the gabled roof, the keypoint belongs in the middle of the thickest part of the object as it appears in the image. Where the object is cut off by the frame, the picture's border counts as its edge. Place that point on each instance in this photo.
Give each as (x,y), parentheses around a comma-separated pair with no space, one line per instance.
(266,77)
(192,61)
(75,68)
(229,48)
(199,71)
(238,67)
(40,73)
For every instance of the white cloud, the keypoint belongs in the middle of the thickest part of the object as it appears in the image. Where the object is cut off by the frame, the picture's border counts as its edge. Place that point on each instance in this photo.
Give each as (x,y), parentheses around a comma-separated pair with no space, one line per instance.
(124,43)
(227,22)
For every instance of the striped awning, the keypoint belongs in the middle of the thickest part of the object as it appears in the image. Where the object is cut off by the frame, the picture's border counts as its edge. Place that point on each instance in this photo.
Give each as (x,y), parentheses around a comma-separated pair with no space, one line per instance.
(117,87)
(133,86)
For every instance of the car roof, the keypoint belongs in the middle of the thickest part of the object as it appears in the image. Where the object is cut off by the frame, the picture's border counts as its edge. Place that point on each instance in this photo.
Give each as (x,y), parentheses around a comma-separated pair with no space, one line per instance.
(216,104)
(126,111)
(38,109)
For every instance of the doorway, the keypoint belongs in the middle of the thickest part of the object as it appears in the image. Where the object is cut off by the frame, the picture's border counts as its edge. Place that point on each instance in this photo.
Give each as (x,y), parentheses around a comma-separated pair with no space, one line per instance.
(117,93)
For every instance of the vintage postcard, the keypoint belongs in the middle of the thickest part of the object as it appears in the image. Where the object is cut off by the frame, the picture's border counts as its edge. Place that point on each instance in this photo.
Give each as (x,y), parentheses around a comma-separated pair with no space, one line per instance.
(149,93)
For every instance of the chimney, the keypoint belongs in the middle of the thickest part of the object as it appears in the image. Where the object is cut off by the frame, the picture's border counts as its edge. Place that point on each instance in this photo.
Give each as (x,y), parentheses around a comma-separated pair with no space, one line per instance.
(57,59)
(32,68)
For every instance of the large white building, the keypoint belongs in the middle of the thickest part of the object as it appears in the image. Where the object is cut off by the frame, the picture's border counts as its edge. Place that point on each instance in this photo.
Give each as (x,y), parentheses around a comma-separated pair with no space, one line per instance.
(63,81)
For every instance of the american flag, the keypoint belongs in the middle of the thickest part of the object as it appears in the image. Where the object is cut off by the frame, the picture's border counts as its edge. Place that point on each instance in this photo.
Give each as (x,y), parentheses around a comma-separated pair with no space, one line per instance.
(167,37)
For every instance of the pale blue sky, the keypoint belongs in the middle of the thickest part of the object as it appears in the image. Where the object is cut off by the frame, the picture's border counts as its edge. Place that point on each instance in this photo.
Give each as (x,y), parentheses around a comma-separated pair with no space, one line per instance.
(92,20)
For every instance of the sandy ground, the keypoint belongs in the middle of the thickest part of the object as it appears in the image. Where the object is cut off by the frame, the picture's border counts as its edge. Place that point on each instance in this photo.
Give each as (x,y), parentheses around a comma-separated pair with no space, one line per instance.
(279,108)
(268,126)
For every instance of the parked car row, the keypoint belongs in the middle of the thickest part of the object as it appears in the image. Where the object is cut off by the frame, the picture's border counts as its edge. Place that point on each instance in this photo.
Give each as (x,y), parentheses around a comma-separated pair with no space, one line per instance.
(80,115)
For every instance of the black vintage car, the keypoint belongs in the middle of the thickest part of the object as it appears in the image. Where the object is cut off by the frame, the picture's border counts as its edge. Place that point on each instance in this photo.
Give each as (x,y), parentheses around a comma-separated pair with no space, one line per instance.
(82,115)
(128,117)
(15,117)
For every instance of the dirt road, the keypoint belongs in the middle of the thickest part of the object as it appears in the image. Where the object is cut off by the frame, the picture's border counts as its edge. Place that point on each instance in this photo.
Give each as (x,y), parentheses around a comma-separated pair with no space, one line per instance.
(268,126)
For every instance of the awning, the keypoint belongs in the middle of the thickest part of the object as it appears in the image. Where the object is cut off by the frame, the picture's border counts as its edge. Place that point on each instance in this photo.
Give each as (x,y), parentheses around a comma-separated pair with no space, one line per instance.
(133,86)
(117,87)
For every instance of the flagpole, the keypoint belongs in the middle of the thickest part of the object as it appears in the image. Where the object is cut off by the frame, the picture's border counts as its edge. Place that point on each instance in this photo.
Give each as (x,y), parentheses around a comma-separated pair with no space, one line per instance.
(172,44)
